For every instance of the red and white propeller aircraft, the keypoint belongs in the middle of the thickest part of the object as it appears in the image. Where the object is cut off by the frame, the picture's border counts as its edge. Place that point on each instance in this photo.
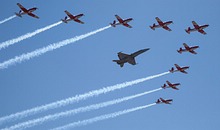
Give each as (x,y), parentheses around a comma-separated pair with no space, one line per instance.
(165,101)
(187,48)
(178,68)
(161,24)
(170,85)
(26,11)
(197,28)
(121,22)
(72,17)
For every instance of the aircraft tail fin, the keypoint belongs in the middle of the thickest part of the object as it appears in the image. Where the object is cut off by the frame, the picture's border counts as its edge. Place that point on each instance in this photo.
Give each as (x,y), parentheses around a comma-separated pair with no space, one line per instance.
(171,70)
(113,24)
(180,50)
(152,27)
(64,20)
(164,86)
(188,30)
(18,14)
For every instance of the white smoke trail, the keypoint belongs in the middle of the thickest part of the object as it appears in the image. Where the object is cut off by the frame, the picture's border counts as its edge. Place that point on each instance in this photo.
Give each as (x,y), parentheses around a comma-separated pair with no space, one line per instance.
(71,100)
(28,35)
(7,19)
(55,116)
(102,117)
(51,47)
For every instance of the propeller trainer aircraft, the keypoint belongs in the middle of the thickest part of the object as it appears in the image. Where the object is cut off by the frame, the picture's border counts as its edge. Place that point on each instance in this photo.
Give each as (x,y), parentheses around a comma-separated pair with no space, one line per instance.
(26,11)
(72,17)
(121,22)
(164,25)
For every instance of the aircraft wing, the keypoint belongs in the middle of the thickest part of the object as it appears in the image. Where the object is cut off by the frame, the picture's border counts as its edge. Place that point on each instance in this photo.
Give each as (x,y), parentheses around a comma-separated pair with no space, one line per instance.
(175,88)
(119,18)
(77,20)
(69,14)
(127,25)
(192,51)
(185,45)
(168,83)
(169,100)
(122,55)
(33,15)
(183,71)
(202,31)
(132,61)
(159,21)
(79,15)
(22,8)
(195,24)
(177,66)
(194,47)
(167,28)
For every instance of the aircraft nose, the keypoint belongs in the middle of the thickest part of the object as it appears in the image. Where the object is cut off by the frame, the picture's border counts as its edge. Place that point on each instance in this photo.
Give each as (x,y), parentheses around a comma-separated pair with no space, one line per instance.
(146,49)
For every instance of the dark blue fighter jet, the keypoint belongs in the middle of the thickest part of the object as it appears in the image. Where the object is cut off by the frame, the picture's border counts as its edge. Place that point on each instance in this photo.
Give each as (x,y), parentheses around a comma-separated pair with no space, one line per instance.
(123,58)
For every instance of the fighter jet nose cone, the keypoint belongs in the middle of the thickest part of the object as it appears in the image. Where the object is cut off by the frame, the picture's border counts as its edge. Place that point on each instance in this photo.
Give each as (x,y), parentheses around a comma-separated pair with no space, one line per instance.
(146,49)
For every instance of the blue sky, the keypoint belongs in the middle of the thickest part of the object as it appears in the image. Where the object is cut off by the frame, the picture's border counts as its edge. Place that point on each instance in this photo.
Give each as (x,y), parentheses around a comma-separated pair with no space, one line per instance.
(87,65)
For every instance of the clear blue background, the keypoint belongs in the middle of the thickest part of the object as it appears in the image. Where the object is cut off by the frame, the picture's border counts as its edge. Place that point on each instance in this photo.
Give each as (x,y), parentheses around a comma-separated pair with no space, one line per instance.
(87,65)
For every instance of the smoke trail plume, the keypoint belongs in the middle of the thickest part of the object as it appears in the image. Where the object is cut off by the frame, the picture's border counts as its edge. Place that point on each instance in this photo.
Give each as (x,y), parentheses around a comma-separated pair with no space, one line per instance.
(102,117)
(51,47)
(28,35)
(7,19)
(71,100)
(41,120)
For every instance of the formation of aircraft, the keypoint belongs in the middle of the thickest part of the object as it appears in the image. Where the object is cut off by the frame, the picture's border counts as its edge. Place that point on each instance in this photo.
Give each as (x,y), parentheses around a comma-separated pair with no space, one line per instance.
(130,58)
(121,22)
(26,11)
(197,28)
(180,69)
(187,48)
(170,85)
(72,17)
(164,25)
(165,101)
(123,58)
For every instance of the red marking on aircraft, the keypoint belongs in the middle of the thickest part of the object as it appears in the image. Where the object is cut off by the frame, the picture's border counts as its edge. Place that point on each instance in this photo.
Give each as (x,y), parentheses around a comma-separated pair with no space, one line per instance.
(187,48)
(164,25)
(165,101)
(26,11)
(170,85)
(178,68)
(121,22)
(197,28)
(72,17)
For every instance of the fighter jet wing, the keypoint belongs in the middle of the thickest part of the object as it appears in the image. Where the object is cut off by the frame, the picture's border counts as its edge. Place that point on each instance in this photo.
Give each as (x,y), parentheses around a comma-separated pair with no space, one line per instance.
(122,55)
(132,61)
(33,15)
(22,8)
(167,28)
